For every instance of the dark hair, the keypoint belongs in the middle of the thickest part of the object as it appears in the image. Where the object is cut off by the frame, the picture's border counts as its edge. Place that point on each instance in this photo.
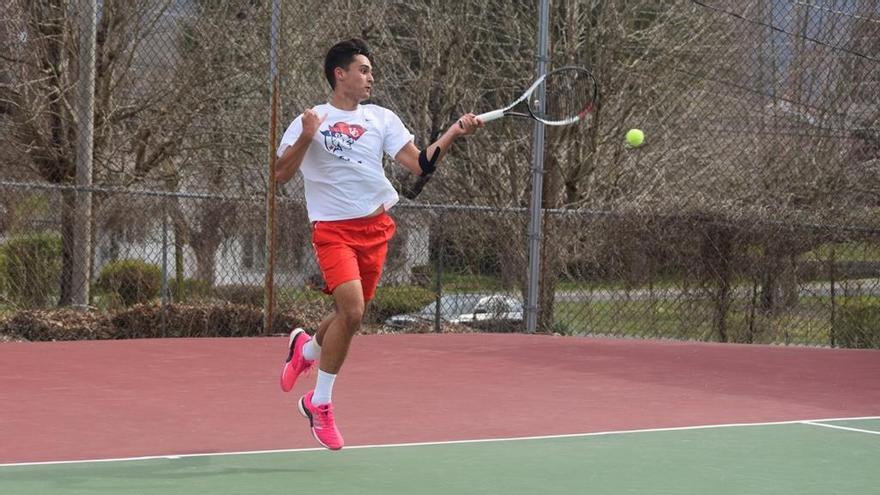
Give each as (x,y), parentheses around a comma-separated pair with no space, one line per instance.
(342,54)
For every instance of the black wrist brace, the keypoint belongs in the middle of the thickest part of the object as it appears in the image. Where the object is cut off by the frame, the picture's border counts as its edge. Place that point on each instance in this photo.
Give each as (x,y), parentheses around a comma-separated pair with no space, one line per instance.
(429,166)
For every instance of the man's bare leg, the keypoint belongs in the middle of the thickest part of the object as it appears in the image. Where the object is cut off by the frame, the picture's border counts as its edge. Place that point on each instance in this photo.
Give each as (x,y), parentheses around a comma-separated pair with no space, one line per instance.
(322,327)
(342,327)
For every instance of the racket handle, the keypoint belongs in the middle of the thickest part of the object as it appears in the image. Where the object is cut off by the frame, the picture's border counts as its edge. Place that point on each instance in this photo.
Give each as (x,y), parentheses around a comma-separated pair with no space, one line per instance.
(490,116)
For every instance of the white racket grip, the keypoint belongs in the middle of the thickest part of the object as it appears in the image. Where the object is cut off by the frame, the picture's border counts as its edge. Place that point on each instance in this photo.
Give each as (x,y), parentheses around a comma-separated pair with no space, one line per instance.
(490,116)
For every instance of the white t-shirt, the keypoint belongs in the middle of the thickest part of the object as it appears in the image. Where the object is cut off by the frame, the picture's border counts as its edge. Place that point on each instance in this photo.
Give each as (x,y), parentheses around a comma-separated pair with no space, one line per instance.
(342,169)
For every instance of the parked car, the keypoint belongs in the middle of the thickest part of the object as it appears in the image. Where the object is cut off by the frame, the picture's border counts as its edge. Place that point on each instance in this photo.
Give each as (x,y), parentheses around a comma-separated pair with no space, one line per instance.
(492,312)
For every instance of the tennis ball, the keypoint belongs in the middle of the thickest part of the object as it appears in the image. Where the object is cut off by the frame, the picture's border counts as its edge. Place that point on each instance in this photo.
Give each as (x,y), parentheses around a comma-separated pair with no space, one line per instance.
(635,137)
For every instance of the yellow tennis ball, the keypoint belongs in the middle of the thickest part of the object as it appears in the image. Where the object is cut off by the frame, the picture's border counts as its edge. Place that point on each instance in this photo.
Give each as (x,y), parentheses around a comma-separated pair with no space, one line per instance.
(635,137)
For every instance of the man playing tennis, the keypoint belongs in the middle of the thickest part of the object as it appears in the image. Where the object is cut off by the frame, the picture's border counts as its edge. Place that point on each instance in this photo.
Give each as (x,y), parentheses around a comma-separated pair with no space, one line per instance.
(337,146)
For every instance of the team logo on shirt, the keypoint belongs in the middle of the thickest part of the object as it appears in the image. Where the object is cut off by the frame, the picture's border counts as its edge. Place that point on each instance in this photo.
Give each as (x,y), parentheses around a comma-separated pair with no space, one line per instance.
(341,136)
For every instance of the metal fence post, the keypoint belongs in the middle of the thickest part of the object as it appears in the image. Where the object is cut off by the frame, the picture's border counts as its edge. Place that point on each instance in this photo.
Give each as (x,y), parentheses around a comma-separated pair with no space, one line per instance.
(537,181)
(81,275)
(832,332)
(274,87)
(164,264)
(438,288)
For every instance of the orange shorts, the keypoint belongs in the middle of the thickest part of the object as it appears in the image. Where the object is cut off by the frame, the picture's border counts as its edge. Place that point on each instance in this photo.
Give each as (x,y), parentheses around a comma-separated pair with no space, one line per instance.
(353,250)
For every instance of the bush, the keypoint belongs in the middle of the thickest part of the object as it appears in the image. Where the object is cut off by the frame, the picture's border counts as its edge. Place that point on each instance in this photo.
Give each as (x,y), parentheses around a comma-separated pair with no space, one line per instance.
(200,320)
(2,275)
(58,324)
(247,295)
(423,276)
(131,281)
(190,290)
(390,301)
(31,268)
(498,326)
(151,321)
(858,325)
(146,321)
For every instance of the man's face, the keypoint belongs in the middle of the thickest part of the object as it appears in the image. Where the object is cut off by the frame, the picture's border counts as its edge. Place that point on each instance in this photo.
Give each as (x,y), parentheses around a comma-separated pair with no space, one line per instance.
(357,80)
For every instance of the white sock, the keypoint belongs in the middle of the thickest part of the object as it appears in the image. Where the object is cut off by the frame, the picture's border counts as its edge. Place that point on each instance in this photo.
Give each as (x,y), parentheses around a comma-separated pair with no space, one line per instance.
(312,351)
(324,388)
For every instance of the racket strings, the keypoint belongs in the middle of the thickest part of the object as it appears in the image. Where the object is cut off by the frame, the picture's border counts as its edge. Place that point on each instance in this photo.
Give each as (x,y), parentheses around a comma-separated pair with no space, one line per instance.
(568,94)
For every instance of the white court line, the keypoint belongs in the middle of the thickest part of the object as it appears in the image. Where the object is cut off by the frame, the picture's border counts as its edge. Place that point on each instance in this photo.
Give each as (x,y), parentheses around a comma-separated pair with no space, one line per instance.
(450,442)
(837,427)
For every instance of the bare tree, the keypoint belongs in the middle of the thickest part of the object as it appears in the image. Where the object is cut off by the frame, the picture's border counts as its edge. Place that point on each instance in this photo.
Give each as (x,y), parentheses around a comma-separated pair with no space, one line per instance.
(172,85)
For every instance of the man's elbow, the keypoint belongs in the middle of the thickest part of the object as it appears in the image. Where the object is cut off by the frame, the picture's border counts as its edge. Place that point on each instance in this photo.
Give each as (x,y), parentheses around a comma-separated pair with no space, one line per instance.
(281,174)
(413,166)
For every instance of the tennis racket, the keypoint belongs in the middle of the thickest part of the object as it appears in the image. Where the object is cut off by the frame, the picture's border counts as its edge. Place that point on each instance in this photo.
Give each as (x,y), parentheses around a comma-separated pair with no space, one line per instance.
(569,94)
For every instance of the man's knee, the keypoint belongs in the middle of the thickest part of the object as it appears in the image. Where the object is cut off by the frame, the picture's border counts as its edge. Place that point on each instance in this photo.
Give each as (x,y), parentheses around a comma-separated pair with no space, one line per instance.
(350,305)
(351,315)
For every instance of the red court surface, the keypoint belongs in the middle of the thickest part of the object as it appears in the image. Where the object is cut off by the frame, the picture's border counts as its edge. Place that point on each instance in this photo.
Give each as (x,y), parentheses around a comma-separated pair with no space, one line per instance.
(110,399)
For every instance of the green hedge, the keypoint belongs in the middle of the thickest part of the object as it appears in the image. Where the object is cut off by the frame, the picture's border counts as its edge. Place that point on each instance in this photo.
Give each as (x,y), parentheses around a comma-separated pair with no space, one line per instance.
(147,321)
(2,275)
(858,324)
(31,268)
(130,281)
(247,295)
(390,301)
(190,290)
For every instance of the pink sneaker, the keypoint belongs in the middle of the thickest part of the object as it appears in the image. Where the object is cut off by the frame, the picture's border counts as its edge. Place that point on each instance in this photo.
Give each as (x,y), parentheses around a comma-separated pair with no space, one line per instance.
(296,364)
(321,418)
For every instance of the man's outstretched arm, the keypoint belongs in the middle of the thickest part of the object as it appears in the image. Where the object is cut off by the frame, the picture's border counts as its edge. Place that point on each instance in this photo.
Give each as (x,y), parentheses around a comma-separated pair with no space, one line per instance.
(408,156)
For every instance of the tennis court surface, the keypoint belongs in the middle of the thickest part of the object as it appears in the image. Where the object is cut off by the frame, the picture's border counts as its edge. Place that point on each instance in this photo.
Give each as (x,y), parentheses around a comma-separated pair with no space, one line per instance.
(470,413)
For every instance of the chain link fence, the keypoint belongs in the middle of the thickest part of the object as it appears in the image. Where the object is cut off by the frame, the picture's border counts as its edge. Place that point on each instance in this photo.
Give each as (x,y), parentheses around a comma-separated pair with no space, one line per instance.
(751,214)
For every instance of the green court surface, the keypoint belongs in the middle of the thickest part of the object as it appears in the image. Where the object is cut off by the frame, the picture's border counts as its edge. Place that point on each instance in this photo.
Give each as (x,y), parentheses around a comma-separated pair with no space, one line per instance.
(772,458)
